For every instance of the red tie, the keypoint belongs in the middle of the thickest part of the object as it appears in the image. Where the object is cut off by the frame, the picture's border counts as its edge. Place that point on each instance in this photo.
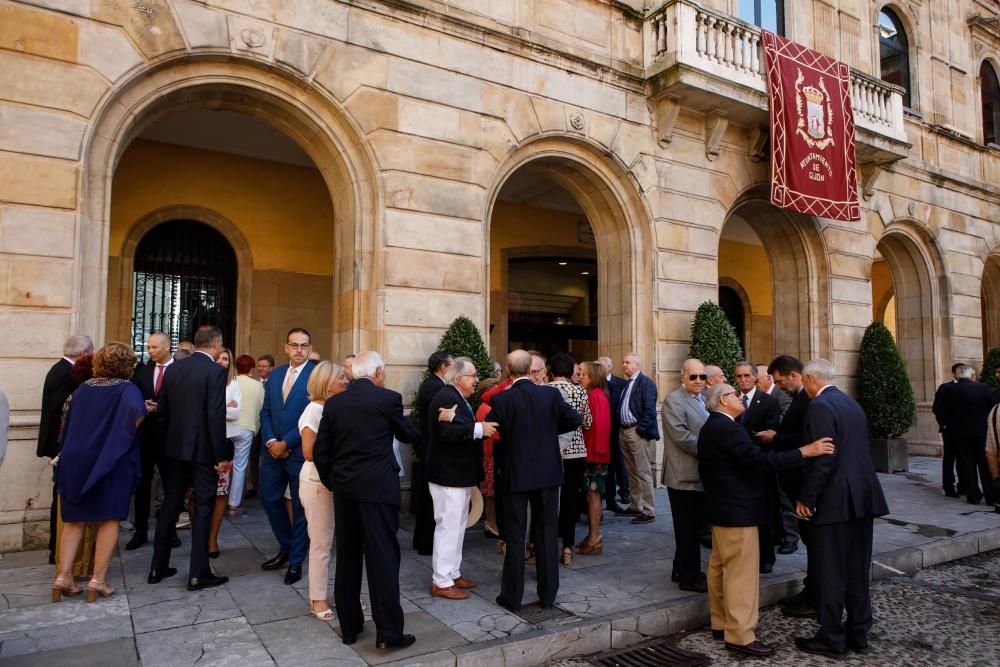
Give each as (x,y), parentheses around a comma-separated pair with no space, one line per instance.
(159,378)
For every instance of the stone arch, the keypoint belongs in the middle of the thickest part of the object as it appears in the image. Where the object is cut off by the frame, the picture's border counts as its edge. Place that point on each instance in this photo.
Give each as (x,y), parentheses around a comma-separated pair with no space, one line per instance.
(990,293)
(120,285)
(800,274)
(622,229)
(748,320)
(305,113)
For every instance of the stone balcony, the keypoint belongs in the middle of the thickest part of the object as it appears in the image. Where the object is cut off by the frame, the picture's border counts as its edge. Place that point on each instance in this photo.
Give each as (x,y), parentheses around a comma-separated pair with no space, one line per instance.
(705,60)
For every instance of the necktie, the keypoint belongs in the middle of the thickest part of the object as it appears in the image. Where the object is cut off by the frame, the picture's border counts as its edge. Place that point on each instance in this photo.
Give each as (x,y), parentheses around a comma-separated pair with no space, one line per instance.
(743,415)
(159,378)
(289,381)
(701,403)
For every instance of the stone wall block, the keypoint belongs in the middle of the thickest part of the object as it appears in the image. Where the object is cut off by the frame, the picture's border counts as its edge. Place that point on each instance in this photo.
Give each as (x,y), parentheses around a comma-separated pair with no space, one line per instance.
(419,231)
(25,179)
(851,291)
(681,266)
(435,85)
(395,37)
(107,50)
(431,120)
(847,338)
(849,241)
(408,268)
(407,307)
(851,314)
(967,327)
(37,231)
(497,138)
(514,107)
(374,109)
(645,173)
(433,195)
(77,7)
(298,51)
(33,334)
(22,381)
(345,68)
(202,27)
(670,356)
(48,83)
(630,141)
(39,132)
(403,152)
(673,326)
(602,129)
(406,346)
(317,16)
(848,265)
(252,37)
(673,295)
(551,115)
(38,33)
(150,24)
(34,282)
(969,306)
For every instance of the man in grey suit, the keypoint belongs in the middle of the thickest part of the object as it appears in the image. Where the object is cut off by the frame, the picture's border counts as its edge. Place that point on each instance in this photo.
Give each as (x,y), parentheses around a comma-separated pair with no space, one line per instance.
(684,414)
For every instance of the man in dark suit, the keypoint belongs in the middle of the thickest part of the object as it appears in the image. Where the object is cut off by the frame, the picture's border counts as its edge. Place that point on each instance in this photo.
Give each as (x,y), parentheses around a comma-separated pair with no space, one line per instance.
(530,418)
(192,405)
(285,397)
(56,389)
(790,434)
(149,378)
(842,496)
(965,405)
(454,468)
(422,506)
(949,455)
(638,432)
(617,479)
(761,413)
(354,458)
(737,473)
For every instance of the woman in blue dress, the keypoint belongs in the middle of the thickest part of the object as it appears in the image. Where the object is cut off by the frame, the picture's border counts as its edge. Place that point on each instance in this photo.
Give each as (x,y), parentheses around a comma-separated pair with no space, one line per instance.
(98,466)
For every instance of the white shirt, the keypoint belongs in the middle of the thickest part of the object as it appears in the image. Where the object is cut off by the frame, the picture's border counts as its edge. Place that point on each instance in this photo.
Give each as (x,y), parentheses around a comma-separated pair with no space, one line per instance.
(310,419)
(750,394)
(823,388)
(157,370)
(233,393)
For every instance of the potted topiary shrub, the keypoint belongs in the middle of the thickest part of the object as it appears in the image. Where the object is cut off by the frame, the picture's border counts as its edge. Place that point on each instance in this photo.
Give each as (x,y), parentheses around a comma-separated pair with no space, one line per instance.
(714,340)
(886,395)
(989,372)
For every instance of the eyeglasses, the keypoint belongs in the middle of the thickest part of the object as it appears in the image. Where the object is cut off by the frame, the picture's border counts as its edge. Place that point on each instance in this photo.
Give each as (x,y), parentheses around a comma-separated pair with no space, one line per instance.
(694,377)
(469,375)
(536,371)
(299,346)
(728,393)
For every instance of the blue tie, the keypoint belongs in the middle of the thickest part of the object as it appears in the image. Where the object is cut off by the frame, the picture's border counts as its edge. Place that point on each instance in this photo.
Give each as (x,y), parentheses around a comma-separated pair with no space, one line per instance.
(745,403)
(701,404)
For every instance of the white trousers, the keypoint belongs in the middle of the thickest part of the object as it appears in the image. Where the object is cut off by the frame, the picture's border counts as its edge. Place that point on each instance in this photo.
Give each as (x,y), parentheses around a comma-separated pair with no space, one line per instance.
(241,457)
(451,511)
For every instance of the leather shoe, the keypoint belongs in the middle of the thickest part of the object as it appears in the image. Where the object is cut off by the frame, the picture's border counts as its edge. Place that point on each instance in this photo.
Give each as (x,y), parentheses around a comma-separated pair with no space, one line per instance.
(156,576)
(507,605)
(858,645)
(799,608)
(627,511)
(754,648)
(718,634)
(695,587)
(293,574)
(643,519)
(766,568)
(275,563)
(136,542)
(198,583)
(449,592)
(402,642)
(175,542)
(464,584)
(817,647)
(951,493)
(788,548)
(349,639)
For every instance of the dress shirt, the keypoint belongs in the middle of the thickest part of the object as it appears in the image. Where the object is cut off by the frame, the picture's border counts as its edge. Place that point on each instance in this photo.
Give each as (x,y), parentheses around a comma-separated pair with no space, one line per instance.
(628,419)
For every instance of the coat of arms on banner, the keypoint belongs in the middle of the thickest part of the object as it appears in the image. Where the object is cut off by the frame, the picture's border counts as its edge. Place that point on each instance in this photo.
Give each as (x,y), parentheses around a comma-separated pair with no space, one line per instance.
(816,128)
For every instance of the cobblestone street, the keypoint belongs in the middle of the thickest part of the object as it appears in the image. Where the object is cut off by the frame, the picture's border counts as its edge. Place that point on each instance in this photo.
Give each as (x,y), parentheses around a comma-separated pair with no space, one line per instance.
(947,615)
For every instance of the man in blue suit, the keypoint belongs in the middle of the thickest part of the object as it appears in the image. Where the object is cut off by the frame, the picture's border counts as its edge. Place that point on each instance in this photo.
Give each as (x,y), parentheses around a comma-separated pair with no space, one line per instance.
(638,432)
(285,397)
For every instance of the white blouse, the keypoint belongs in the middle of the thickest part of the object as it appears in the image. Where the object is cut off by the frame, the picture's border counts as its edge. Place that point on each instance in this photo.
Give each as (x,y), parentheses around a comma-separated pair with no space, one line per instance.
(310,418)
(233,393)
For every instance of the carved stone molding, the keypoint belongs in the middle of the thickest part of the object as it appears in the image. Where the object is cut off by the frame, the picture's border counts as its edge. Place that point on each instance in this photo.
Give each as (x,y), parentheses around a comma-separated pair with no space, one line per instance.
(716,122)
(758,136)
(665,111)
(870,172)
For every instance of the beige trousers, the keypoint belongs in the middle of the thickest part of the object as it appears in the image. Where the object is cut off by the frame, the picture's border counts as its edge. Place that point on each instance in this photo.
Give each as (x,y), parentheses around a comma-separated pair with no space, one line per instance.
(734,582)
(639,454)
(317,503)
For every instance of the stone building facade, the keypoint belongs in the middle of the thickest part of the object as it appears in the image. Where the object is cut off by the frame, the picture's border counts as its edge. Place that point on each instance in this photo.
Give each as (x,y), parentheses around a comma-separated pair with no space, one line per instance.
(377,168)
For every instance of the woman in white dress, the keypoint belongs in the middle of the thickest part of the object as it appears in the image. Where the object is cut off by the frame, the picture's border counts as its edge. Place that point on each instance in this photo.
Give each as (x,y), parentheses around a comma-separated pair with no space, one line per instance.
(326,380)
(234,408)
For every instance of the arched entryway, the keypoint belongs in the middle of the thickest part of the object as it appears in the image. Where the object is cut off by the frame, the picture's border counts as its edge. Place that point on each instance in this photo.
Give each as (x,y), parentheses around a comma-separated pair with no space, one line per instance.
(991,302)
(569,255)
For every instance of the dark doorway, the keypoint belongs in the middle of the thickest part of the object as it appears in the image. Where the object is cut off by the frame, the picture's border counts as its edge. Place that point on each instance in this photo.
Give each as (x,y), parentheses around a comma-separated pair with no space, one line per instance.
(732,306)
(185,277)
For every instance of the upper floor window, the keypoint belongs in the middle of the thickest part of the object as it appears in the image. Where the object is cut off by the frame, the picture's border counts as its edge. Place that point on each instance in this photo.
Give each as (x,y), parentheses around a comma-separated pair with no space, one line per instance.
(894,52)
(768,14)
(990,88)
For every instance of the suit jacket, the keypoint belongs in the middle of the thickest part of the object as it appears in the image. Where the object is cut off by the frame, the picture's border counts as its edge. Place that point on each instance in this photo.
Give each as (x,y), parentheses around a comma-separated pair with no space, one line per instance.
(353,451)
(642,405)
(962,408)
(735,472)
(841,486)
(530,418)
(454,457)
(192,404)
(762,413)
(57,388)
(152,431)
(428,390)
(683,418)
(279,419)
(783,399)
(790,434)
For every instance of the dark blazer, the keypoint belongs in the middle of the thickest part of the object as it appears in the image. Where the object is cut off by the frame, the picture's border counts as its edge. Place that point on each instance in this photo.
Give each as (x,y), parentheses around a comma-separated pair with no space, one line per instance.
(530,418)
(353,451)
(454,457)
(841,486)
(279,420)
(642,405)
(428,390)
(57,388)
(735,471)
(790,434)
(783,399)
(192,405)
(152,430)
(962,408)
(762,414)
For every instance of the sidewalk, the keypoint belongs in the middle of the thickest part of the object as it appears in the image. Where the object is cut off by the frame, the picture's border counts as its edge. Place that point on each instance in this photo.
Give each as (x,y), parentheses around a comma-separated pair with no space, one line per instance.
(607,601)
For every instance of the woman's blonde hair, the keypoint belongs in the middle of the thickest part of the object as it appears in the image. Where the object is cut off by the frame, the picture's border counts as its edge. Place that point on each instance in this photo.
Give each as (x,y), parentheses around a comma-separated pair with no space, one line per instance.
(231,371)
(114,360)
(320,378)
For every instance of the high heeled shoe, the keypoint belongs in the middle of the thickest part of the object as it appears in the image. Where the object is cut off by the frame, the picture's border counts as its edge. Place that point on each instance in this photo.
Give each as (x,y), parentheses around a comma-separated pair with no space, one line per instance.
(585,548)
(566,558)
(95,588)
(64,586)
(501,547)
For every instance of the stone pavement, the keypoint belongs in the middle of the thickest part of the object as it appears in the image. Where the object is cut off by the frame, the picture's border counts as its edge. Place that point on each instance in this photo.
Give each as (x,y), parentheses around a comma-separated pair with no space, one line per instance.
(619,598)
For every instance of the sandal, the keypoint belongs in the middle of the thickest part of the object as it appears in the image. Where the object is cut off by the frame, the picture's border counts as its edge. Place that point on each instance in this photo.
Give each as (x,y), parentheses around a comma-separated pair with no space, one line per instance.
(567,557)
(501,547)
(95,588)
(236,511)
(64,586)
(585,548)
(325,614)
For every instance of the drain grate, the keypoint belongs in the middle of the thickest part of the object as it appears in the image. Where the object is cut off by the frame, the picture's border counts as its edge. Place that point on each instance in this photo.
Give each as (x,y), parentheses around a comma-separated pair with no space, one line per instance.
(657,653)
(536,614)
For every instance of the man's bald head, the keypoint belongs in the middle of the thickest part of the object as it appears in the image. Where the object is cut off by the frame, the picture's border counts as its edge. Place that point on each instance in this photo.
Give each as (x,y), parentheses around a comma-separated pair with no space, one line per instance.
(518,363)
(158,346)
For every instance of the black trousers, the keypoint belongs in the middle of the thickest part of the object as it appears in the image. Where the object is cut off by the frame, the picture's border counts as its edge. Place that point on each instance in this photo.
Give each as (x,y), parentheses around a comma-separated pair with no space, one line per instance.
(973,469)
(53,520)
(366,537)
(766,534)
(569,500)
(840,557)
(149,457)
(617,476)
(687,508)
(204,481)
(544,512)
(423,509)
(949,462)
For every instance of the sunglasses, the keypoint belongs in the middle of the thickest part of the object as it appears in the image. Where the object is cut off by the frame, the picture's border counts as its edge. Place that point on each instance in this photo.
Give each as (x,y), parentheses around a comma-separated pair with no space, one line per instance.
(694,377)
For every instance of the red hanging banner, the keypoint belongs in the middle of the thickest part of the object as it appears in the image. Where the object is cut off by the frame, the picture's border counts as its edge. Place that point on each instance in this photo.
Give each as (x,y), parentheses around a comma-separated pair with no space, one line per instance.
(812,131)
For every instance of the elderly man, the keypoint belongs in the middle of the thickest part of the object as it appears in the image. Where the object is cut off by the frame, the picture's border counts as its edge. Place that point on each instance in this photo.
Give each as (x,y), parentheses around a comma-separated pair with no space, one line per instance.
(684,414)
(354,458)
(765,382)
(842,496)
(57,387)
(736,473)
(715,376)
(638,432)
(454,467)
(964,406)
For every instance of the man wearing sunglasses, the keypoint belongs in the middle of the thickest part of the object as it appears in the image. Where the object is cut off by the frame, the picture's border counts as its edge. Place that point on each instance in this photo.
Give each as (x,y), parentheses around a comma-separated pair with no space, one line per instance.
(684,414)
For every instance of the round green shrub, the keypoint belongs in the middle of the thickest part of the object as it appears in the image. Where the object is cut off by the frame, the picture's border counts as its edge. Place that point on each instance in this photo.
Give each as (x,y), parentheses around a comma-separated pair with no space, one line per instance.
(884,389)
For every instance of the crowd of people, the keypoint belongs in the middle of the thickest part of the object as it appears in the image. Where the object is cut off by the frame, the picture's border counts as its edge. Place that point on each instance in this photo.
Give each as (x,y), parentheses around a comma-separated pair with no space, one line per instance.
(779,459)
